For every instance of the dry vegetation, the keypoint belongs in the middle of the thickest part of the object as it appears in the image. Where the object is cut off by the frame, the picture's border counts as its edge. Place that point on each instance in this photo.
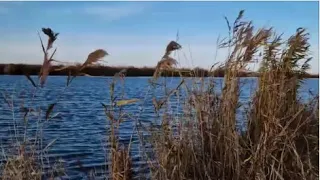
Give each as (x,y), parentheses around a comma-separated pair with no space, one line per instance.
(102,70)
(282,133)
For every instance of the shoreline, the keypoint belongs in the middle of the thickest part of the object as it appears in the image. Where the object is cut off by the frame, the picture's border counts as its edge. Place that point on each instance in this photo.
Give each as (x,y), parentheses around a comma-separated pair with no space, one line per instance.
(110,71)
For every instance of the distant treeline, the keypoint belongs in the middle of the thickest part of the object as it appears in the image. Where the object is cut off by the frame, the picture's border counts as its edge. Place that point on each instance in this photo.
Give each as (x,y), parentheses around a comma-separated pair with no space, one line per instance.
(98,70)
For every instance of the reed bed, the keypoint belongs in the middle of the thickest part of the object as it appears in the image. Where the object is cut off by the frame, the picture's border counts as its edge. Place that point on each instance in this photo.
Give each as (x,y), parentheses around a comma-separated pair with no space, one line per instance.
(281,137)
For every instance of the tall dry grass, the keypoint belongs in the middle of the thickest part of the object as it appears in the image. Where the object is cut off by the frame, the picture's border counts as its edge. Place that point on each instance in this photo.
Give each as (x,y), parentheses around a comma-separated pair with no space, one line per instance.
(118,154)
(27,158)
(281,137)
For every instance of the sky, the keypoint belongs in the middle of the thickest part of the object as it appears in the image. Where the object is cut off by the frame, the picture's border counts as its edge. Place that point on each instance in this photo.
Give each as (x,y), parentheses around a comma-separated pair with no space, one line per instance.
(136,33)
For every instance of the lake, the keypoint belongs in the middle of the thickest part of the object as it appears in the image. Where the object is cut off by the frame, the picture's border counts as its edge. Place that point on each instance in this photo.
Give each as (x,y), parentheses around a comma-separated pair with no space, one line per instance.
(80,125)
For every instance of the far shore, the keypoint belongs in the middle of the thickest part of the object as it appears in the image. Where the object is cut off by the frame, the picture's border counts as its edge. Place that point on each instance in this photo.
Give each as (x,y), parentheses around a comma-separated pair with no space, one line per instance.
(99,70)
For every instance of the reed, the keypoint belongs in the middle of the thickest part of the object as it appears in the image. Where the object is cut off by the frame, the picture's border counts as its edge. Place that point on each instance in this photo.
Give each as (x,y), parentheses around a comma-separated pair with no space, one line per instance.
(27,158)
(118,154)
(281,137)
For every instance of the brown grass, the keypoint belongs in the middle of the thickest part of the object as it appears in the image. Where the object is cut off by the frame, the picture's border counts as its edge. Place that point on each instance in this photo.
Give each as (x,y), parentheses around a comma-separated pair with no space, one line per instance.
(21,167)
(167,62)
(27,162)
(281,141)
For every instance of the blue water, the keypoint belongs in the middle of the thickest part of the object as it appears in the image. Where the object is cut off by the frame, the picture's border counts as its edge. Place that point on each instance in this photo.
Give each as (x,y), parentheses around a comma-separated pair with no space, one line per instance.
(80,126)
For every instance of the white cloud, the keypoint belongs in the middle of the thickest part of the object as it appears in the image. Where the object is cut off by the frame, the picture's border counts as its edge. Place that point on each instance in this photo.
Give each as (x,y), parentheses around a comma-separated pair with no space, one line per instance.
(111,13)
(107,13)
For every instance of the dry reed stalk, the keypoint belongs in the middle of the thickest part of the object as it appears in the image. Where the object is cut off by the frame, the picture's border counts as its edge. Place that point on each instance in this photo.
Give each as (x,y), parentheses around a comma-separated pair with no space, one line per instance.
(23,166)
(277,119)
(243,46)
(167,62)
(30,166)
(281,140)
(121,164)
(77,70)
(52,36)
(46,66)
(94,57)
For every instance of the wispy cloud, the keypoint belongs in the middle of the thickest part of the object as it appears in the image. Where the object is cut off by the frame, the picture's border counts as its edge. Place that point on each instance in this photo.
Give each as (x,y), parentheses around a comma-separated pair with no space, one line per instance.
(4,10)
(111,13)
(103,12)
(6,7)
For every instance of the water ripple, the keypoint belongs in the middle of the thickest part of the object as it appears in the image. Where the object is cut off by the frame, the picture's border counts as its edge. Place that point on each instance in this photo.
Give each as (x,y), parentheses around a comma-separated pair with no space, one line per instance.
(81,127)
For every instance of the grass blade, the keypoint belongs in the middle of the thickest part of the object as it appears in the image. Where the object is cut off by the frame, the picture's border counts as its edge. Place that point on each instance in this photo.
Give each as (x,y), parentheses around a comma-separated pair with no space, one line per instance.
(43,49)
(30,79)
(126,102)
(49,110)
(50,144)
(55,50)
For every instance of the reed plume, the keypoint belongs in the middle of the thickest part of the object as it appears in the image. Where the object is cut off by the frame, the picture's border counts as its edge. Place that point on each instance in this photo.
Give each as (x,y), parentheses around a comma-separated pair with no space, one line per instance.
(167,62)
(46,66)
(94,57)
(52,36)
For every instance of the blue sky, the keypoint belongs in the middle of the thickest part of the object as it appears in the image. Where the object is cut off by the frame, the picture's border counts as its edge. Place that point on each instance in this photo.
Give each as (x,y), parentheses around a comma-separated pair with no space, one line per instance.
(136,33)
